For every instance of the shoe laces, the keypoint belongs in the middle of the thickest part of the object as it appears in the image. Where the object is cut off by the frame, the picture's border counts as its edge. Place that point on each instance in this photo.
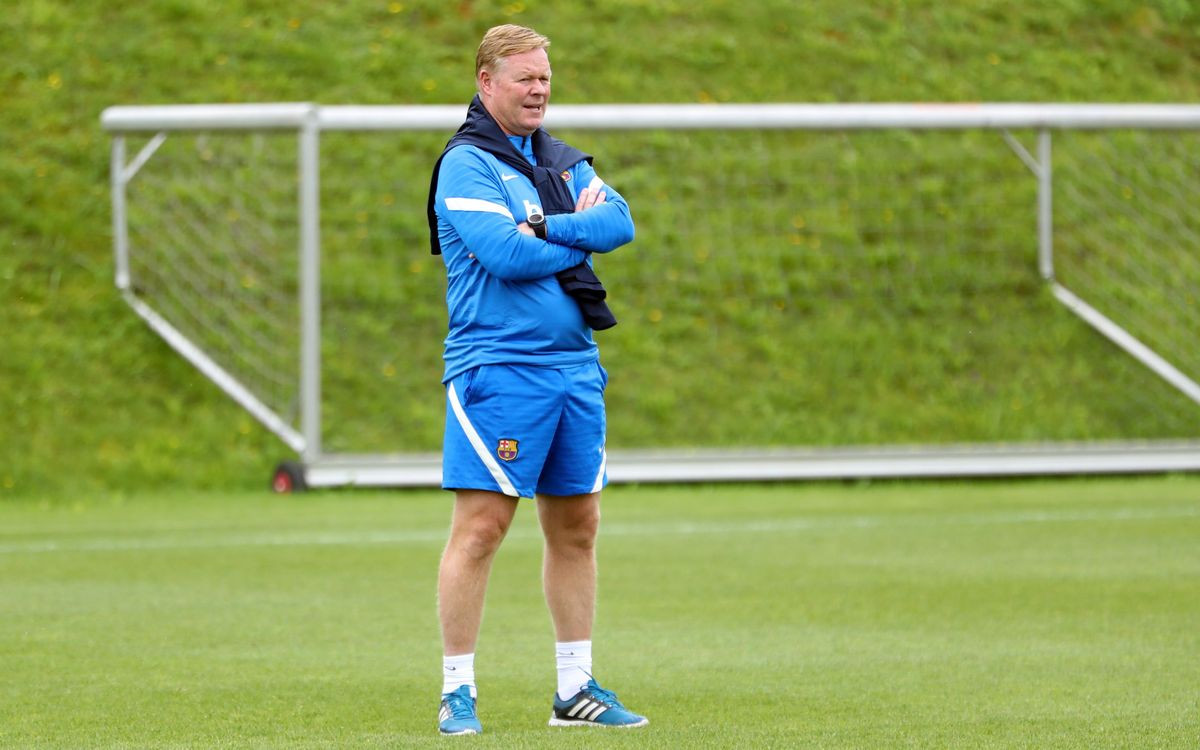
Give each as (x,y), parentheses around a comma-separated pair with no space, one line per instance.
(460,706)
(607,697)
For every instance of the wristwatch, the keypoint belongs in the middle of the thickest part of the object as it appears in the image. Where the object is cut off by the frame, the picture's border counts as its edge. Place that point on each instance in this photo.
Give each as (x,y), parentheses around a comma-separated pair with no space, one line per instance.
(537,223)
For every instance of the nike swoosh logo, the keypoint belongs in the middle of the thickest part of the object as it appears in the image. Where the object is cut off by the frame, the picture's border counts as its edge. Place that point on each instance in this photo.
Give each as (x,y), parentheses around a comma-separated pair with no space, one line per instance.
(507,177)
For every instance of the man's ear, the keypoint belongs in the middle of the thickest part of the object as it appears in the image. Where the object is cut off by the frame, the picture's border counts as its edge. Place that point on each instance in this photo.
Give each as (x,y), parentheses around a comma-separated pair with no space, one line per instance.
(485,81)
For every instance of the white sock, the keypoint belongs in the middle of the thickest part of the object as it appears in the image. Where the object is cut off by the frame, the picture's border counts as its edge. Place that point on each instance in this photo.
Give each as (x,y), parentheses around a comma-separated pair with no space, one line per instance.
(458,671)
(574,666)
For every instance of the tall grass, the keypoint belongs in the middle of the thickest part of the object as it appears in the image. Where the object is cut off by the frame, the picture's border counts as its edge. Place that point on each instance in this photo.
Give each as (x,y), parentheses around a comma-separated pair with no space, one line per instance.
(91,399)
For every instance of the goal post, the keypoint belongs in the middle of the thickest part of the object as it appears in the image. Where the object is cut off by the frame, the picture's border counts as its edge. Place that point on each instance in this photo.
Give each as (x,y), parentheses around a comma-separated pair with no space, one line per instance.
(277,247)
(192,230)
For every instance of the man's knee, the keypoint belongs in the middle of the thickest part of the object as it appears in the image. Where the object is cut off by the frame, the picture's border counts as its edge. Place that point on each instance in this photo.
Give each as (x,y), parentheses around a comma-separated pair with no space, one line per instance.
(585,526)
(480,527)
(572,524)
(481,537)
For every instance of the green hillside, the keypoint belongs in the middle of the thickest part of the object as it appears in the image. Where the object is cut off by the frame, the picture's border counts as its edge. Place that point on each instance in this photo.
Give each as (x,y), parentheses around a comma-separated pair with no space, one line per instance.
(93,399)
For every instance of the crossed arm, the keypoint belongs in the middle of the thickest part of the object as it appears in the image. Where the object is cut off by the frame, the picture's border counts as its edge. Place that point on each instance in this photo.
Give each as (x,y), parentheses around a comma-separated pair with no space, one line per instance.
(505,246)
(601,222)
(588,198)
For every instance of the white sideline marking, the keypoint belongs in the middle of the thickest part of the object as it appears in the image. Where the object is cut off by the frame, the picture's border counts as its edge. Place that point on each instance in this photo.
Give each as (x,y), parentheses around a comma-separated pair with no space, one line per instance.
(297,539)
(438,536)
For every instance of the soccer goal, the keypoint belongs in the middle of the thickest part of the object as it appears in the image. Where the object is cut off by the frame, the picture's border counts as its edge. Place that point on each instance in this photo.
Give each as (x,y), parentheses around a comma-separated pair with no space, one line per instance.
(816,291)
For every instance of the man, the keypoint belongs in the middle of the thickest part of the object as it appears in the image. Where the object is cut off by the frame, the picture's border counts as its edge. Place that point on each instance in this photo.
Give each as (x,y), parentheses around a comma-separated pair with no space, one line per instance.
(516,214)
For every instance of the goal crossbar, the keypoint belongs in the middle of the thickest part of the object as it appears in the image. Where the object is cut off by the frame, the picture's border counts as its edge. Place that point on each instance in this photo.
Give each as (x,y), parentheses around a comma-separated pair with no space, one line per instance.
(129,119)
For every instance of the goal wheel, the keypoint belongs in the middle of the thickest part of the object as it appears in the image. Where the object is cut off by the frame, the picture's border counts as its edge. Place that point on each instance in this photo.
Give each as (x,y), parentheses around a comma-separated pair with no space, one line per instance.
(288,478)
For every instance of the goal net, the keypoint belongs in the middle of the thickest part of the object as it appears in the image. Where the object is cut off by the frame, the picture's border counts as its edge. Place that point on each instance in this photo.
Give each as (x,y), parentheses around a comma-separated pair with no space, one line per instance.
(213,228)
(791,289)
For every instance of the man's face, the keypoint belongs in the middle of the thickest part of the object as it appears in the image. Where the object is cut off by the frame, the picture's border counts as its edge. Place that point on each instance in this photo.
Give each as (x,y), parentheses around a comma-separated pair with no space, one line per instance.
(516,93)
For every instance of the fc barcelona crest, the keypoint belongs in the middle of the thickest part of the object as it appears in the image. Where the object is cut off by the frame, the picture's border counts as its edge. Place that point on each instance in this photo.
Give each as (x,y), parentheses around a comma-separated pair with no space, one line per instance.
(506,449)
(566,176)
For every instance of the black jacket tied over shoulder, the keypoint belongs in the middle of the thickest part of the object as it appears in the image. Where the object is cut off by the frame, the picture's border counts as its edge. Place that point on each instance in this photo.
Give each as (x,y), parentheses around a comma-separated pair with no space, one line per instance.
(553,158)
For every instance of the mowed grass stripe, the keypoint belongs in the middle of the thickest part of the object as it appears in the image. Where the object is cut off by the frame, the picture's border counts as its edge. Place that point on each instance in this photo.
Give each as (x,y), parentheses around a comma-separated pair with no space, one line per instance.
(779,525)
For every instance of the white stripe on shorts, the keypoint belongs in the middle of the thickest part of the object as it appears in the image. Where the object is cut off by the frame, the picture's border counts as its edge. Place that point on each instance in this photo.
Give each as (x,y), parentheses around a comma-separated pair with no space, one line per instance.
(506,485)
(599,485)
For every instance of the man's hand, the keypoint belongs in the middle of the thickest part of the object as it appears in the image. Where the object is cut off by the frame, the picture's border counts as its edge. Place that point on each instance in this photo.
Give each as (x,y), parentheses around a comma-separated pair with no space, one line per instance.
(588,198)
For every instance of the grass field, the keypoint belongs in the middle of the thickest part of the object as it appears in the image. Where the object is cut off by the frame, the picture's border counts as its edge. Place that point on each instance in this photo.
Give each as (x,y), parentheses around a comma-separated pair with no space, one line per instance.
(1060,613)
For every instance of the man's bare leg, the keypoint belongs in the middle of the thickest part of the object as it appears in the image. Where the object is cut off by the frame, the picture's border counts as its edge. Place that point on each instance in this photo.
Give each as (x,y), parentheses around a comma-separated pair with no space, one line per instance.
(481,519)
(569,525)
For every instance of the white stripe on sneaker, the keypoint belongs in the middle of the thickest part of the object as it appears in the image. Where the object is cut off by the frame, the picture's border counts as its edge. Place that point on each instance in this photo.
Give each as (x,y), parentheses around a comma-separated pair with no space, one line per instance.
(599,709)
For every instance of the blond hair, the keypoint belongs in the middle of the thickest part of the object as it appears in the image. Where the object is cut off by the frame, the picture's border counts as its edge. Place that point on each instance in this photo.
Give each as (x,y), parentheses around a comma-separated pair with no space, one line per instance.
(502,41)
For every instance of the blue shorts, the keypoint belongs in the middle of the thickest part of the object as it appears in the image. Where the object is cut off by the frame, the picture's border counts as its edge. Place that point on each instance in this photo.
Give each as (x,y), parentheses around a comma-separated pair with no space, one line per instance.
(522,430)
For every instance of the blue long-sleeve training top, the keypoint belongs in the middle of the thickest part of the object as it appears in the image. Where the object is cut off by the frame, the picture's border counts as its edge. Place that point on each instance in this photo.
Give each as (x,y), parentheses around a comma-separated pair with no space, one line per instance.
(505,305)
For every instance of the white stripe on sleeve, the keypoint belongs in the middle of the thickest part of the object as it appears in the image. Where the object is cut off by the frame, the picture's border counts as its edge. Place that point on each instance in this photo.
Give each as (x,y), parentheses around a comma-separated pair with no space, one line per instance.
(476,204)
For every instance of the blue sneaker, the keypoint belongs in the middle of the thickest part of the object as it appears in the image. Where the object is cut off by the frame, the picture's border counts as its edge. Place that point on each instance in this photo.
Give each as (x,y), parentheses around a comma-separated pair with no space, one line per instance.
(594,707)
(457,713)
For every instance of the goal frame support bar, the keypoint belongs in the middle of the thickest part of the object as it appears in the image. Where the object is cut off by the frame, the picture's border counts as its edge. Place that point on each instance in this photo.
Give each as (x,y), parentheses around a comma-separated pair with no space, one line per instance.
(659,466)
(308,120)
